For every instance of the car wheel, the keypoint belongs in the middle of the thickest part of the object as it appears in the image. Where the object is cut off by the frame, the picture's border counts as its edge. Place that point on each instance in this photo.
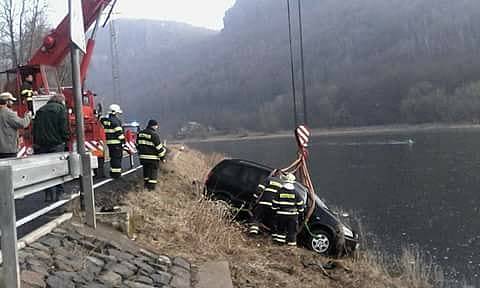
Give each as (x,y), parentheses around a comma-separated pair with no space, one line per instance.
(321,243)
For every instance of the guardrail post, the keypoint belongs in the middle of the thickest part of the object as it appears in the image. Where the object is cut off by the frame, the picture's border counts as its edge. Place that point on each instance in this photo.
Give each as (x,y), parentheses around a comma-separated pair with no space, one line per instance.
(86,182)
(87,190)
(11,270)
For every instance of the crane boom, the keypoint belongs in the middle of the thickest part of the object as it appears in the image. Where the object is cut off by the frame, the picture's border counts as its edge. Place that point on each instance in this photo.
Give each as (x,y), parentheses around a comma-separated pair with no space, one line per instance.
(56,45)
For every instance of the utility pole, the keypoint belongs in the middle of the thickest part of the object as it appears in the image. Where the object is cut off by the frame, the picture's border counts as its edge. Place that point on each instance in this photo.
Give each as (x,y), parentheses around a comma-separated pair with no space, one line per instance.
(77,34)
(302,64)
(117,98)
(292,66)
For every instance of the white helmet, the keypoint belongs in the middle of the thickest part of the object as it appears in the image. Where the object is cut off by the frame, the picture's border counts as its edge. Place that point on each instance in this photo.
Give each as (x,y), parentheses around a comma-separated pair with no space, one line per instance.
(289,178)
(114,108)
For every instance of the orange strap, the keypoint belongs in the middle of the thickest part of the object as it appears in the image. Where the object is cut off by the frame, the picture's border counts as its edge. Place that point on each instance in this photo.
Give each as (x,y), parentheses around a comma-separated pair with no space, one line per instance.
(299,167)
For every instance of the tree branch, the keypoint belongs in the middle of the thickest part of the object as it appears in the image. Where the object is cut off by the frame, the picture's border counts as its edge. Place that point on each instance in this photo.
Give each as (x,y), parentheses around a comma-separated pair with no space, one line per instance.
(20,32)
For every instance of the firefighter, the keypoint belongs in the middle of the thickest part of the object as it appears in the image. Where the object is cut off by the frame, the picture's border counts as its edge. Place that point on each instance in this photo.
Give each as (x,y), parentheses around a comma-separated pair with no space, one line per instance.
(151,151)
(26,91)
(288,206)
(115,139)
(262,212)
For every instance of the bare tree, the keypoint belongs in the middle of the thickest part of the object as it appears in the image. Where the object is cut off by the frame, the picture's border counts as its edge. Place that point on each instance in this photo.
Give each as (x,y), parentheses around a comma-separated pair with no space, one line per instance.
(21,23)
(21,28)
(37,14)
(7,17)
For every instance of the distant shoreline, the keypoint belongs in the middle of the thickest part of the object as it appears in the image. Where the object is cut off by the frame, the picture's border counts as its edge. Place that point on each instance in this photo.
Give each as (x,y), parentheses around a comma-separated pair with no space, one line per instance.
(365,130)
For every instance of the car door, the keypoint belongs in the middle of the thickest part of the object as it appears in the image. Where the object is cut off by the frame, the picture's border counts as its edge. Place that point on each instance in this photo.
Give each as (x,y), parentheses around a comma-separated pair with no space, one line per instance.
(251,177)
(225,182)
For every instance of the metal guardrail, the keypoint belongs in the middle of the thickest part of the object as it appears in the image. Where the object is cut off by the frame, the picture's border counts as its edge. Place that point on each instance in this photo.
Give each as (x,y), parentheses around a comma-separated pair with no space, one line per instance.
(22,177)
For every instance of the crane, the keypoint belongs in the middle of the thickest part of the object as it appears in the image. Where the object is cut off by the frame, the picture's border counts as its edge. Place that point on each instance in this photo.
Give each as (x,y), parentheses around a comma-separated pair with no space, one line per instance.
(115,62)
(50,56)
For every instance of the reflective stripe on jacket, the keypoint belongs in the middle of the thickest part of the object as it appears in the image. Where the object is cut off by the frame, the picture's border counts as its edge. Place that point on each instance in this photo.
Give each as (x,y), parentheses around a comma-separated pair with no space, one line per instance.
(113,129)
(287,201)
(26,91)
(267,190)
(149,145)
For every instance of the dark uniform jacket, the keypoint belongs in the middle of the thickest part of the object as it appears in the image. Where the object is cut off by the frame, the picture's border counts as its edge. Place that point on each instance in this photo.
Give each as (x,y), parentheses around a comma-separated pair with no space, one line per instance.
(113,129)
(265,192)
(50,126)
(26,91)
(150,147)
(287,201)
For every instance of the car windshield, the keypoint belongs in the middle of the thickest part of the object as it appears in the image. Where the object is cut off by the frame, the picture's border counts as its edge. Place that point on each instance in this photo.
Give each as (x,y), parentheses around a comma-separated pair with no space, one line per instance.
(304,194)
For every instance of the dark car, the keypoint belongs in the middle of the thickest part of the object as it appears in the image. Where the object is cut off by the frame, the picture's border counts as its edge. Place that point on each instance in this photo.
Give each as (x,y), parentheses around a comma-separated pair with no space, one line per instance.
(234,181)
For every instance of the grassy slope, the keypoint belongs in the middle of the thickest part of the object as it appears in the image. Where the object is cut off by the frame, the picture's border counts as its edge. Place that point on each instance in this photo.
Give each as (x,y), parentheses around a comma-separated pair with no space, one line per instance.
(177,221)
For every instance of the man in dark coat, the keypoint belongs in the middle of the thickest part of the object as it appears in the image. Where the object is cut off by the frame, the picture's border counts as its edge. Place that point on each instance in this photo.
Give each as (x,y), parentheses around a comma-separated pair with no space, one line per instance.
(50,135)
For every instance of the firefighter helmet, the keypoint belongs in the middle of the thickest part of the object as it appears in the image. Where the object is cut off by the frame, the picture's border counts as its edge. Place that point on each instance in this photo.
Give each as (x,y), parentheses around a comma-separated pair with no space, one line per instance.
(289,177)
(115,108)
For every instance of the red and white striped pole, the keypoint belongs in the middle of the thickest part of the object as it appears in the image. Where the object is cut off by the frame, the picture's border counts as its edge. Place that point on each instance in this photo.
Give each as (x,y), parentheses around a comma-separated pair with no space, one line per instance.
(302,134)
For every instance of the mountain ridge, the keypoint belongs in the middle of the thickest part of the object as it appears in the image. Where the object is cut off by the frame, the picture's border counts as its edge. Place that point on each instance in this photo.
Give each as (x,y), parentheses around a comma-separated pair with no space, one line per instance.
(368,62)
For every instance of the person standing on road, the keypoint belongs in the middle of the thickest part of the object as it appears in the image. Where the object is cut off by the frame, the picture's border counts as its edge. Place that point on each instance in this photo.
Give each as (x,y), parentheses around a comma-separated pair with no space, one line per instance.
(151,151)
(288,206)
(10,123)
(50,135)
(115,139)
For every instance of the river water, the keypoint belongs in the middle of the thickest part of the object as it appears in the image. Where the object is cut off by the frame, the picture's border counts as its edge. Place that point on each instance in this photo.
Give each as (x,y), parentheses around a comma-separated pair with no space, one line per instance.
(417,189)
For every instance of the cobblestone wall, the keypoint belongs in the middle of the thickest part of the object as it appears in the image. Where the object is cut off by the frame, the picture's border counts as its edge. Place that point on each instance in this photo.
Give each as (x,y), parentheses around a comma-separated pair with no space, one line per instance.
(68,258)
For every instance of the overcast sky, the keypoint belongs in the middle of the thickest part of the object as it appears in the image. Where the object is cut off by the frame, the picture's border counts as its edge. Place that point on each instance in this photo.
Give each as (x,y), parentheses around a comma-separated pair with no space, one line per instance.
(204,13)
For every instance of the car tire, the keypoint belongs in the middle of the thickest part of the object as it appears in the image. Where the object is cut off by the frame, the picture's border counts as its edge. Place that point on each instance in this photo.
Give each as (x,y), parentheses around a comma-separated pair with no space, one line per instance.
(322,243)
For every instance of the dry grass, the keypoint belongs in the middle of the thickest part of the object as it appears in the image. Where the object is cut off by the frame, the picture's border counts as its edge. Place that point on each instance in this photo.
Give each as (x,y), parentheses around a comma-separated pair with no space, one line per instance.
(414,268)
(177,220)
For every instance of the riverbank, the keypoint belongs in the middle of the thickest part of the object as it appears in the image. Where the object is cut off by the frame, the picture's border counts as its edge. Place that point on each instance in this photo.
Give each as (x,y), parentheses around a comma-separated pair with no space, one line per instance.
(177,220)
(365,130)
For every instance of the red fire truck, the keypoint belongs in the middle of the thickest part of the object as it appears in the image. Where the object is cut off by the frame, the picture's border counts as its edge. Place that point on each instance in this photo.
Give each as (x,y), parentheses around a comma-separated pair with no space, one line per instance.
(45,65)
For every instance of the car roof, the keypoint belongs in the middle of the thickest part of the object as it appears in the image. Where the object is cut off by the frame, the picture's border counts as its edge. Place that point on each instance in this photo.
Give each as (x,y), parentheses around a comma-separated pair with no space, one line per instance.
(258,165)
(248,162)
